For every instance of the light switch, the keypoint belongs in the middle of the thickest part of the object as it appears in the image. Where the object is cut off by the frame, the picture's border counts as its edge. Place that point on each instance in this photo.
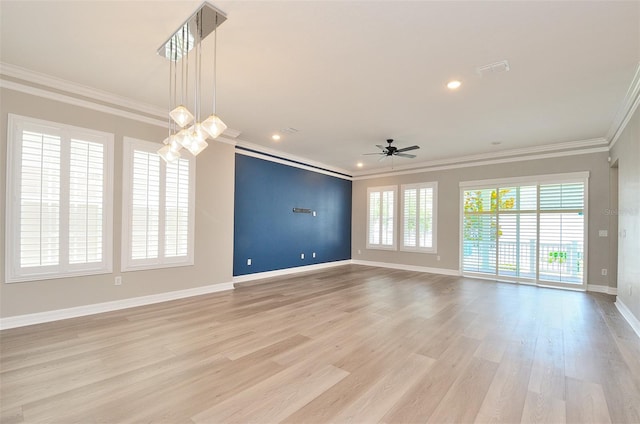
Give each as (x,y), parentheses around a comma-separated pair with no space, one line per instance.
(603,233)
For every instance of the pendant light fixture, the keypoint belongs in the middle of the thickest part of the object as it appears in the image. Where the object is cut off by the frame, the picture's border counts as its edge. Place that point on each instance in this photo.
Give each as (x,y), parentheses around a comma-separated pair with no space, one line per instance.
(189,36)
(213,125)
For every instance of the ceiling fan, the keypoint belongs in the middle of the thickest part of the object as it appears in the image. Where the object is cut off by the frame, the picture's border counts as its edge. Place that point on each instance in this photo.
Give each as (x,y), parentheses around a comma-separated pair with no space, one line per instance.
(394,151)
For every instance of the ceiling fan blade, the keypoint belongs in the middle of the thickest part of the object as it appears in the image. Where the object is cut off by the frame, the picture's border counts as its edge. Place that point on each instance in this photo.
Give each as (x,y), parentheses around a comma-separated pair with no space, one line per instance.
(383,158)
(406,149)
(367,154)
(380,146)
(405,155)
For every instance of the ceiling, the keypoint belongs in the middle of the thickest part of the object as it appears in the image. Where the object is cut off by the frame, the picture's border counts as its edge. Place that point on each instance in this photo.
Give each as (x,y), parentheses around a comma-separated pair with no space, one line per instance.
(349,75)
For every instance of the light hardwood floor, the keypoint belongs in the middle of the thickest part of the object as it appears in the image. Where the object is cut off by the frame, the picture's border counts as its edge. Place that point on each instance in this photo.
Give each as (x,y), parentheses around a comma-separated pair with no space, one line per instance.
(348,344)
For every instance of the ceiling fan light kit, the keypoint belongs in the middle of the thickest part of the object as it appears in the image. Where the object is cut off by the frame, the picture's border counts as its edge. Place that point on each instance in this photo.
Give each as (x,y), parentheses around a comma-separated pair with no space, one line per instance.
(187,37)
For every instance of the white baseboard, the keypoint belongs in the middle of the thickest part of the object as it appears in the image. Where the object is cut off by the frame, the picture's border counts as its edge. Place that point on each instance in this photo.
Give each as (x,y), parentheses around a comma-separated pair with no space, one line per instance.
(79,311)
(628,315)
(287,271)
(602,289)
(443,271)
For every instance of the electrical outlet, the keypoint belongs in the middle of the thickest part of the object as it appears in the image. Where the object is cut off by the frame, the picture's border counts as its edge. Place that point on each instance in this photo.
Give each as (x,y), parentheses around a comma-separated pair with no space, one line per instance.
(118,281)
(249,262)
(359,252)
(302,256)
(603,233)
(313,255)
(604,271)
(438,257)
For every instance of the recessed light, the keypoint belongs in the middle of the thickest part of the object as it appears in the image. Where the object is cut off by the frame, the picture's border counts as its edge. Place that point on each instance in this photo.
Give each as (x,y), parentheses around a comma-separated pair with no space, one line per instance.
(360,164)
(452,85)
(275,137)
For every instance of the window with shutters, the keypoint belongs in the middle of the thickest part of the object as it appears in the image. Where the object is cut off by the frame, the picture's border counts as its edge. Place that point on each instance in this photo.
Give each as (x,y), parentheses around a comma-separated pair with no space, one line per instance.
(381,217)
(158,208)
(530,231)
(59,200)
(418,217)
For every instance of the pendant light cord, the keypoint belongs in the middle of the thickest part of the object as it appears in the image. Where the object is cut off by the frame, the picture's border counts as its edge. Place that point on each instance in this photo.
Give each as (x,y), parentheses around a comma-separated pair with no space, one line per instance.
(215,54)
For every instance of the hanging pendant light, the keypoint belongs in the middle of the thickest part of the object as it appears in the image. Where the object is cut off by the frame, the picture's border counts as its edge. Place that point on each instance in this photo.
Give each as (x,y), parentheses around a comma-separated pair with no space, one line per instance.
(186,130)
(172,146)
(181,114)
(197,134)
(213,124)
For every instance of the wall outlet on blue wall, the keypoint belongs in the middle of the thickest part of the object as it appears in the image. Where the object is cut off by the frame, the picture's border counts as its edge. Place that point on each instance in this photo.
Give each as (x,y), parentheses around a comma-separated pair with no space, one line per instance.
(313,254)
(249,262)
(302,256)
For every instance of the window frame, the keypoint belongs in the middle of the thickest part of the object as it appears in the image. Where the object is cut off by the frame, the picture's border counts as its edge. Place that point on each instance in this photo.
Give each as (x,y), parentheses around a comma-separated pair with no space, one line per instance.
(433,185)
(394,225)
(14,272)
(127,264)
(538,180)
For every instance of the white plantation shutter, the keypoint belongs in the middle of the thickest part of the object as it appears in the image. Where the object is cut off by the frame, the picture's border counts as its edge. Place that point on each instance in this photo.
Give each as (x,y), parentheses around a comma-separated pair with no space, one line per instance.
(479,232)
(517,231)
(409,214)
(562,232)
(59,193)
(374,218)
(145,205)
(158,208)
(387,218)
(39,200)
(527,232)
(418,217)
(177,209)
(86,202)
(381,221)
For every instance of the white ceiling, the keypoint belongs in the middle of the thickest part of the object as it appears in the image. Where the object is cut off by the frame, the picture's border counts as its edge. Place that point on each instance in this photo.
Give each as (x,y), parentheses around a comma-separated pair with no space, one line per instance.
(349,75)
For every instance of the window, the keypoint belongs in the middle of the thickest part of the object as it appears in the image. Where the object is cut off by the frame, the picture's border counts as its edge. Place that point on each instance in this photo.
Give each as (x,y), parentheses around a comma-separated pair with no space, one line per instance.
(158,208)
(530,231)
(381,221)
(59,197)
(419,217)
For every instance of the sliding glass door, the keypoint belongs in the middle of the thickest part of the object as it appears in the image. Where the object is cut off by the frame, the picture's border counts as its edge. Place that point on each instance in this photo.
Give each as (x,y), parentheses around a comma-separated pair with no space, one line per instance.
(529,232)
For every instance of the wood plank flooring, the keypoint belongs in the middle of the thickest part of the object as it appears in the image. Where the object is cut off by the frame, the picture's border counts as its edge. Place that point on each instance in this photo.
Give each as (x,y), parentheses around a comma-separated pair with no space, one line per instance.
(348,344)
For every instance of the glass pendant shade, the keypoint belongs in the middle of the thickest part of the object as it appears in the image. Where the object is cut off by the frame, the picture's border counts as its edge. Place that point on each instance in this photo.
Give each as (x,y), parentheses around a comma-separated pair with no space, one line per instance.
(184,138)
(214,126)
(167,154)
(175,144)
(197,137)
(181,116)
(197,146)
(172,141)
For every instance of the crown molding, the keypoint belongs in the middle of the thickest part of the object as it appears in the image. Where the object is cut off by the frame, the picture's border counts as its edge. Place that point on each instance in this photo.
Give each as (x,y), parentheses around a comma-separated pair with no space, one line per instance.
(49,87)
(626,110)
(292,160)
(482,163)
(514,155)
(75,101)
(70,87)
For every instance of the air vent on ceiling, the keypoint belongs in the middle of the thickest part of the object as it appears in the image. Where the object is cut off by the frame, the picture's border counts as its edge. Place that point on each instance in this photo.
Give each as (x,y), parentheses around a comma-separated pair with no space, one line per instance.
(493,68)
(289,130)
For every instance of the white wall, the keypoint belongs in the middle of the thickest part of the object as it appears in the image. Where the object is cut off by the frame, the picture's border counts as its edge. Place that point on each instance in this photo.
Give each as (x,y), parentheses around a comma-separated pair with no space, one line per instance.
(626,153)
(449,209)
(213,226)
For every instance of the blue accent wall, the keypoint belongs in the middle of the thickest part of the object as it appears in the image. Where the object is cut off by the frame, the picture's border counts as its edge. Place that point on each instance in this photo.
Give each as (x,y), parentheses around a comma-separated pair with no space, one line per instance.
(267,231)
